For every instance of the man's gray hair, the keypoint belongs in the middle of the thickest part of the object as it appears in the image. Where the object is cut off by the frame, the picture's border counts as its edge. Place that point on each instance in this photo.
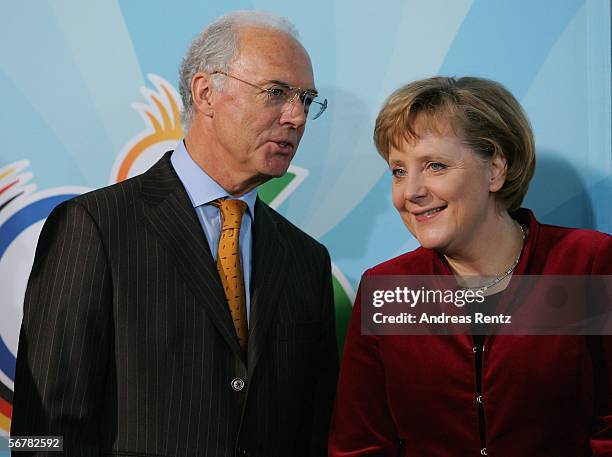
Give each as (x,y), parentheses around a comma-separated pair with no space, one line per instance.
(215,47)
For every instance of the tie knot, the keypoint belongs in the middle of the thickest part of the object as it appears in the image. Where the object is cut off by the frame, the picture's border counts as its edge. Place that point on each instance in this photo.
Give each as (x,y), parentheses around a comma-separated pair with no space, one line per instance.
(231,212)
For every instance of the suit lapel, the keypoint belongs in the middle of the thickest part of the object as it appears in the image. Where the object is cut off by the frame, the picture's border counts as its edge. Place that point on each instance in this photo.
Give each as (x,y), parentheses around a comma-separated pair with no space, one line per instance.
(171,216)
(270,262)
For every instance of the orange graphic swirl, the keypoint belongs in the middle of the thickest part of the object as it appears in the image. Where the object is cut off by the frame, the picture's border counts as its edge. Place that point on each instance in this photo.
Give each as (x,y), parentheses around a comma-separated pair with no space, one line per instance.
(165,129)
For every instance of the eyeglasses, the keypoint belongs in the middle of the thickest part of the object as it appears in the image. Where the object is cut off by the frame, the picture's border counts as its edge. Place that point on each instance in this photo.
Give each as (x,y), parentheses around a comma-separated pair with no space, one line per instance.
(283,95)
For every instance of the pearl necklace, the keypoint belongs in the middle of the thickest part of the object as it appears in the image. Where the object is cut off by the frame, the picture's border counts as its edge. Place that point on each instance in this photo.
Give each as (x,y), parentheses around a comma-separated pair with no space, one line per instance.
(505,273)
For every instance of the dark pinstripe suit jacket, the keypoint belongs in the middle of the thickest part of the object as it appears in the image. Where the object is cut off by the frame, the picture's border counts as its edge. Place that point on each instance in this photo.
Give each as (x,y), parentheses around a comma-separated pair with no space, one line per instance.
(127,346)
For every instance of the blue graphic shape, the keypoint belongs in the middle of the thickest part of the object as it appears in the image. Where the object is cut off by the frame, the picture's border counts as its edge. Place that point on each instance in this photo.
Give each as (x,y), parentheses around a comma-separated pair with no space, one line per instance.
(7,361)
(16,224)
(513,38)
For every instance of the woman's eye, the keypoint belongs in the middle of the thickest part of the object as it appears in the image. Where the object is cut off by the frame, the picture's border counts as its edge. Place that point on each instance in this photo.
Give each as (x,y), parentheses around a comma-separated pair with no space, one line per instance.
(436,166)
(398,172)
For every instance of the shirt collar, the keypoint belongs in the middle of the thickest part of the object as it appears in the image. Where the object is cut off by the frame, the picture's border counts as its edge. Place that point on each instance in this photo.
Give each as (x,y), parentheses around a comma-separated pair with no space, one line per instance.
(200,187)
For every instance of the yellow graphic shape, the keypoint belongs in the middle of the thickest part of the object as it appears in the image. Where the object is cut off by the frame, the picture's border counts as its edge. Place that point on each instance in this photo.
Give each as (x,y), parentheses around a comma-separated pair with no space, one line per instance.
(5,423)
(6,173)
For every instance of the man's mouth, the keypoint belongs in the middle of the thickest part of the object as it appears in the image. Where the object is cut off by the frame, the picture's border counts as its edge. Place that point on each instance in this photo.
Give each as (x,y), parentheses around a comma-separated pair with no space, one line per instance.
(284,146)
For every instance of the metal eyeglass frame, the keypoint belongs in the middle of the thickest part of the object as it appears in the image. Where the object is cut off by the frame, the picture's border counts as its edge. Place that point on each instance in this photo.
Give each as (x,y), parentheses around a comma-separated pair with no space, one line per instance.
(298,92)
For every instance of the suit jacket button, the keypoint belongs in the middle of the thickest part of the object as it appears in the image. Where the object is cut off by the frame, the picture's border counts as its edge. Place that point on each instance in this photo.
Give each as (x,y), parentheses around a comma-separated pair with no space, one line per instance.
(237,384)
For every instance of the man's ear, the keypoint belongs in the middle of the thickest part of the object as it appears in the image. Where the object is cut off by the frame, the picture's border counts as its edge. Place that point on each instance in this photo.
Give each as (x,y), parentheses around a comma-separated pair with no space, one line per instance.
(201,93)
(498,170)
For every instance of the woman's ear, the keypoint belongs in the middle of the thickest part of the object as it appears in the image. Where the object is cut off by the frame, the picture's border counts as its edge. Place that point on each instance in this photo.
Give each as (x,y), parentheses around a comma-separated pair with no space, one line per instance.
(498,169)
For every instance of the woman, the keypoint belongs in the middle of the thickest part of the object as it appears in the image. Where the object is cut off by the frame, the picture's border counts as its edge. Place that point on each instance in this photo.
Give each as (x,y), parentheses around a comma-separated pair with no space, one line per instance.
(462,155)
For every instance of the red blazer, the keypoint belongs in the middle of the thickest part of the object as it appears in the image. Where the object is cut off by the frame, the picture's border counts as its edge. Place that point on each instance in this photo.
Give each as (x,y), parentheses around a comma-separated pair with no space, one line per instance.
(543,395)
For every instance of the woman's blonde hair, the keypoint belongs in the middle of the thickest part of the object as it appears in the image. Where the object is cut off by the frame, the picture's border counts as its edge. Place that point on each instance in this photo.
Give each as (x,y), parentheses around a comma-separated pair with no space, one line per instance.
(483,113)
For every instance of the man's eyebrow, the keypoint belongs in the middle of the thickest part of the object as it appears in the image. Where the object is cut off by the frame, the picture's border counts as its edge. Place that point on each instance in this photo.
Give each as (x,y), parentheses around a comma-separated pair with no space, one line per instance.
(289,86)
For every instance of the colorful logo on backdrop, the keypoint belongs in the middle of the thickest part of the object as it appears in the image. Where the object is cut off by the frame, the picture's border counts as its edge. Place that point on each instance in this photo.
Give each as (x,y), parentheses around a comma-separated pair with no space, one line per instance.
(161,113)
(23,211)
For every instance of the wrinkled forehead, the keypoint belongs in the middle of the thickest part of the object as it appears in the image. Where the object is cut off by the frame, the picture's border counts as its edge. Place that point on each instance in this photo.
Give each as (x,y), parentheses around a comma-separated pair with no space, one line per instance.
(272,54)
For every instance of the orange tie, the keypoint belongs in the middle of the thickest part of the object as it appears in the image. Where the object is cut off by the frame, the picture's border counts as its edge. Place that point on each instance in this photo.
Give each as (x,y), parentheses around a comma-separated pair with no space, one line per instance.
(229,267)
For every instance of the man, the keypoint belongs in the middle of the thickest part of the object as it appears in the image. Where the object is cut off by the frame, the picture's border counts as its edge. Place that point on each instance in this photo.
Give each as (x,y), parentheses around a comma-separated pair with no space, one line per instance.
(175,314)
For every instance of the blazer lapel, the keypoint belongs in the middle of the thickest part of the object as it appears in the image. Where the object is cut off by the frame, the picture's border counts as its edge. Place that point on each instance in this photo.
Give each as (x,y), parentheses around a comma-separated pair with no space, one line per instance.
(171,216)
(270,262)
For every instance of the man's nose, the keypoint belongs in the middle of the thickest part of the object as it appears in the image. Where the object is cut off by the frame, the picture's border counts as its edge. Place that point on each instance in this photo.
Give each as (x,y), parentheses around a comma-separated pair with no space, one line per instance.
(293,111)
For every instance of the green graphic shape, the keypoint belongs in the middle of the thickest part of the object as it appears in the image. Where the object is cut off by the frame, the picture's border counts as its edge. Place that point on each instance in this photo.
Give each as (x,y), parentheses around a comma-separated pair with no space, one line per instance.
(270,190)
